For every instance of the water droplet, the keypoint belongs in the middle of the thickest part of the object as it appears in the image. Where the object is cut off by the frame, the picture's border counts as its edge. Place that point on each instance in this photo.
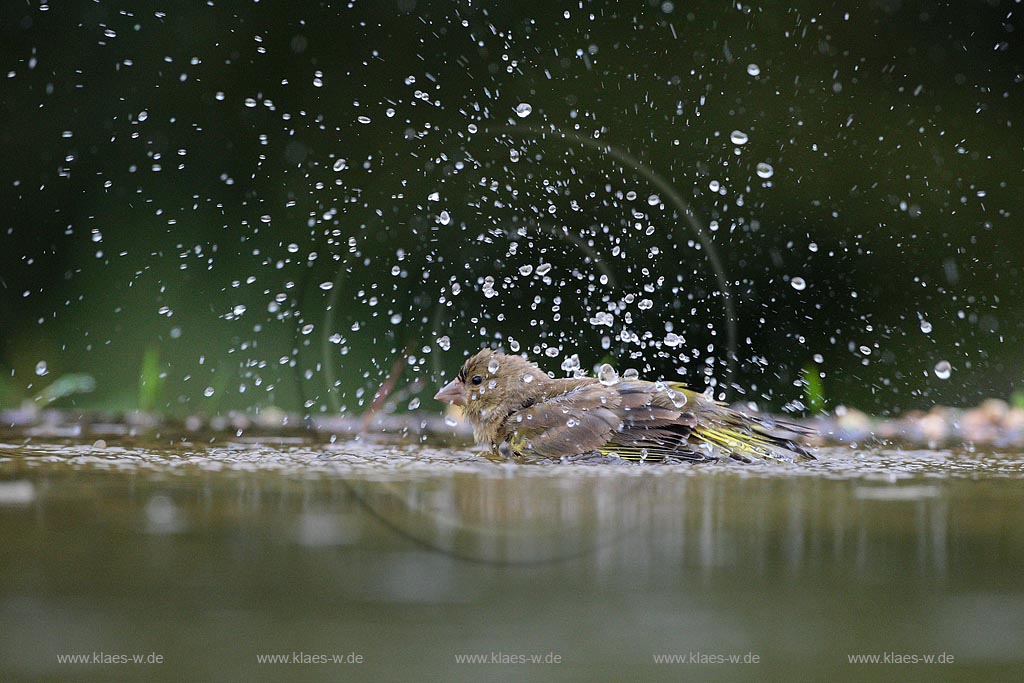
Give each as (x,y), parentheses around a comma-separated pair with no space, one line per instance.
(525,270)
(673,340)
(678,398)
(818,358)
(513,155)
(866,350)
(340,165)
(208,392)
(445,218)
(326,286)
(239,309)
(631,374)
(645,304)
(798,284)
(414,404)
(738,137)
(607,375)
(250,102)
(451,421)
(143,115)
(653,200)
(765,170)
(543,269)
(41,368)
(363,119)
(527,378)
(434,197)
(714,185)
(444,342)
(524,109)
(926,326)
(753,69)
(493,365)
(943,369)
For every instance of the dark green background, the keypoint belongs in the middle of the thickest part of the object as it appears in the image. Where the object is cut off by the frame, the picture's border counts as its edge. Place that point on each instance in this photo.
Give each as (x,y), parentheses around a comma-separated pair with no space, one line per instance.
(892,130)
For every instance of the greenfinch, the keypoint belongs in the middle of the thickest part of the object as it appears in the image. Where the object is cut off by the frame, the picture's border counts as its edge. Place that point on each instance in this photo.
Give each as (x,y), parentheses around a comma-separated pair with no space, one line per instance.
(515,407)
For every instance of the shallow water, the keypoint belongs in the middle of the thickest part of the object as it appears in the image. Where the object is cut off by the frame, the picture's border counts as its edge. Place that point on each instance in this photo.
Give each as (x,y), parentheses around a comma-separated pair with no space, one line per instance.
(214,555)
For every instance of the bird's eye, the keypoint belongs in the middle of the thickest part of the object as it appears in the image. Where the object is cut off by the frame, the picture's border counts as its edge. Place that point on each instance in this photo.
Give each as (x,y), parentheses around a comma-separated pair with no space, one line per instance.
(477,379)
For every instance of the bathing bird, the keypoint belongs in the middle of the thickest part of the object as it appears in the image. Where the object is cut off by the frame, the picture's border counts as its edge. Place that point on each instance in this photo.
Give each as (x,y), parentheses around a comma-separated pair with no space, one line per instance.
(516,408)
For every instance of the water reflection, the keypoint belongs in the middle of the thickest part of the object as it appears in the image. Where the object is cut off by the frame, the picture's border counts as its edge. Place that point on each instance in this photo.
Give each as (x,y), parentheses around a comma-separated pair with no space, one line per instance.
(854,510)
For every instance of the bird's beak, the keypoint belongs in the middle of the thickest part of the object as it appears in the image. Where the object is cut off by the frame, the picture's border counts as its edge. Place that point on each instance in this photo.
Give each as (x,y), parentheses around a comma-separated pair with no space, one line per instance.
(454,392)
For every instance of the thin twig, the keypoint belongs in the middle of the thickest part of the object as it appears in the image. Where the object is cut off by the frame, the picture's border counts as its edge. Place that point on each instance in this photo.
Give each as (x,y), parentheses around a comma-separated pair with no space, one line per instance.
(384,391)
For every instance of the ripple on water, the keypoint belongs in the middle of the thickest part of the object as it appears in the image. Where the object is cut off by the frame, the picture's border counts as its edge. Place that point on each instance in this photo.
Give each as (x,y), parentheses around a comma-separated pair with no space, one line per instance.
(356,458)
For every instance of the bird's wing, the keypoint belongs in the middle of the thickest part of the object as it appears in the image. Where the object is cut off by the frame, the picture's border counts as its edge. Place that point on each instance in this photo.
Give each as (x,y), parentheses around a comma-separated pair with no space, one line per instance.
(742,436)
(578,418)
(638,420)
(657,422)
(670,421)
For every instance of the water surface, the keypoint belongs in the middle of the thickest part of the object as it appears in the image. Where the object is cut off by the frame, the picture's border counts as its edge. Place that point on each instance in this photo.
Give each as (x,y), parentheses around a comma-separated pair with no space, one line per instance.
(215,554)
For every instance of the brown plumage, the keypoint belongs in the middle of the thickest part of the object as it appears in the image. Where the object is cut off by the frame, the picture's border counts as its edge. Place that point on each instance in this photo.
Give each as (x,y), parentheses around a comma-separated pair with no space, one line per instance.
(510,401)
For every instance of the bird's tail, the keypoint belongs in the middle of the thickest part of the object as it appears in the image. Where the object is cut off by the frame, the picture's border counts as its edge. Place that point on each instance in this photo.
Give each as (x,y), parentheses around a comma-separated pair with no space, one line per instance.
(746,438)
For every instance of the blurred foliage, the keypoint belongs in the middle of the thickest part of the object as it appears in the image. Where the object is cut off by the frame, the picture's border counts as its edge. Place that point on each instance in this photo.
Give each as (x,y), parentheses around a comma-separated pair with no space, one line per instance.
(65,386)
(1017,399)
(151,380)
(814,389)
(187,178)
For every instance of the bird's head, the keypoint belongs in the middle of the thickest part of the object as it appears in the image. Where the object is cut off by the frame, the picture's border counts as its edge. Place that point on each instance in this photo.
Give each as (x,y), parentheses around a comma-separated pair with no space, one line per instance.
(491,385)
